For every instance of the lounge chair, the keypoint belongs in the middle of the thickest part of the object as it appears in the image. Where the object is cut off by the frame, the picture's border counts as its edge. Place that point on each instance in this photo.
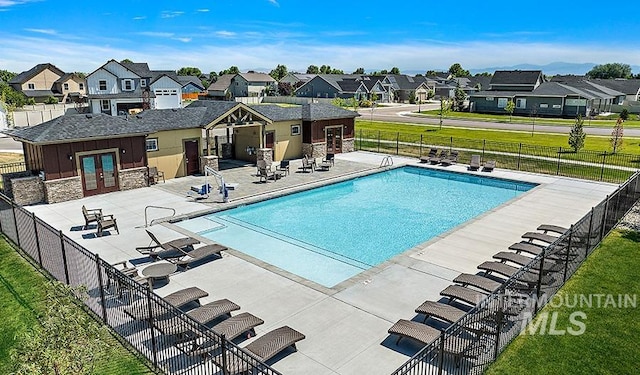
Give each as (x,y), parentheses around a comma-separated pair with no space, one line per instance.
(140,310)
(167,249)
(263,348)
(329,158)
(197,254)
(523,260)
(552,228)
(432,154)
(474,164)
(489,166)
(451,159)
(530,278)
(438,158)
(283,167)
(154,175)
(90,216)
(442,311)
(203,315)
(230,328)
(477,281)
(324,166)
(547,238)
(457,292)
(106,222)
(308,164)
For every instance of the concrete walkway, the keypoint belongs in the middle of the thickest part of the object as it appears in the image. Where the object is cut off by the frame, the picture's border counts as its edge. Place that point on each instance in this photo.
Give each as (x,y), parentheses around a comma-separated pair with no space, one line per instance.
(346,327)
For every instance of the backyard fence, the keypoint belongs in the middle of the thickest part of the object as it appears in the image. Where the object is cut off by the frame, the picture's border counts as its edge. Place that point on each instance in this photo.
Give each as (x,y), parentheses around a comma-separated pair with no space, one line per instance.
(469,345)
(112,296)
(13,167)
(591,165)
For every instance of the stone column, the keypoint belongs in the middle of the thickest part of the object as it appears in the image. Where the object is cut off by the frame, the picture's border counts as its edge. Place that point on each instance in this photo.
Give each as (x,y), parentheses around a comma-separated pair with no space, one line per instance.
(209,161)
(264,154)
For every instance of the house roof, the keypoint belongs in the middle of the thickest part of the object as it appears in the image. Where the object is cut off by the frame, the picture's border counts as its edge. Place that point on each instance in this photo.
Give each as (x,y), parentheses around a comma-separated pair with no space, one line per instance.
(504,94)
(257,77)
(484,81)
(404,82)
(222,83)
(39,93)
(322,111)
(66,77)
(169,119)
(125,94)
(186,80)
(27,75)
(75,128)
(627,86)
(349,85)
(278,113)
(214,109)
(516,77)
(141,69)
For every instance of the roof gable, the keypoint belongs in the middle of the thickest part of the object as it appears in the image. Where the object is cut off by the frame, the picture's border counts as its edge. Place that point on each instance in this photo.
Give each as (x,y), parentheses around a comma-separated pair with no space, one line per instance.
(321,111)
(27,75)
(516,77)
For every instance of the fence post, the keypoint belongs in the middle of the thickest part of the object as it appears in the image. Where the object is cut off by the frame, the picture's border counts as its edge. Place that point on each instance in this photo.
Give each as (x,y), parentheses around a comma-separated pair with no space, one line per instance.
(604,158)
(539,282)
(499,318)
(378,140)
(223,349)
(64,257)
(588,245)
(397,142)
(35,231)
(360,139)
(441,354)
(484,143)
(450,143)
(420,154)
(566,259)
(604,219)
(101,287)
(153,336)
(15,222)
(559,154)
(519,153)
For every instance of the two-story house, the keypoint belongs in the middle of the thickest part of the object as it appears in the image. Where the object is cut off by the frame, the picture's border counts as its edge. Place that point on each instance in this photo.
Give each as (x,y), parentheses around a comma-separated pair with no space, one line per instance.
(122,88)
(46,80)
(251,84)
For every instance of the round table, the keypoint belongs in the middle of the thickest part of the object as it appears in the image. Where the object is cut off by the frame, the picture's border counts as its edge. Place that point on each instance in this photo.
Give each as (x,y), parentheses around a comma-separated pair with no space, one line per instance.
(159,270)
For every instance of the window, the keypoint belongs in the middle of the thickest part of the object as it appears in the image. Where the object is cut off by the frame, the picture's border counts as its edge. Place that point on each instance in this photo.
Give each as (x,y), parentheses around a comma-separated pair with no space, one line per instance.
(65,87)
(31,86)
(489,98)
(502,102)
(102,85)
(143,83)
(521,103)
(557,106)
(81,86)
(106,106)
(152,144)
(295,129)
(127,85)
(544,105)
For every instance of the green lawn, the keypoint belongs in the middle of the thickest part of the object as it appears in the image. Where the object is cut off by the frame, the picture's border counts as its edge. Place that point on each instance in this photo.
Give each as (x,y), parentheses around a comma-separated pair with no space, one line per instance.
(21,301)
(592,142)
(610,343)
(603,122)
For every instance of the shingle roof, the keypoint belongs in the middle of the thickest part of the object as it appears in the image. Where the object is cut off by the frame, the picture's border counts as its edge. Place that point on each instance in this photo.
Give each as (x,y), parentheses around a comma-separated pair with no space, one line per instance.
(39,93)
(77,127)
(185,80)
(485,93)
(141,69)
(627,86)
(155,120)
(321,111)
(125,94)
(257,77)
(215,109)
(27,75)
(278,113)
(349,85)
(222,83)
(515,77)
(405,82)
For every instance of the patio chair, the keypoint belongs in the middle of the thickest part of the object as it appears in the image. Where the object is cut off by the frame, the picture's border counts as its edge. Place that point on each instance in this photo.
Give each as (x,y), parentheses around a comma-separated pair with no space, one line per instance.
(203,314)
(197,254)
(324,165)
(442,311)
(308,164)
(523,260)
(432,154)
(535,236)
(474,164)
(263,348)
(91,216)
(140,310)
(131,272)
(438,158)
(154,175)
(167,248)
(489,166)
(552,228)
(530,277)
(283,167)
(457,292)
(329,158)
(265,173)
(451,159)
(106,222)
(477,281)
(230,328)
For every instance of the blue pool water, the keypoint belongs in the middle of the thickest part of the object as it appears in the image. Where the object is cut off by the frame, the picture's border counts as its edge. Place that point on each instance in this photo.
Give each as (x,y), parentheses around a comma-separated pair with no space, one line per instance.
(332,233)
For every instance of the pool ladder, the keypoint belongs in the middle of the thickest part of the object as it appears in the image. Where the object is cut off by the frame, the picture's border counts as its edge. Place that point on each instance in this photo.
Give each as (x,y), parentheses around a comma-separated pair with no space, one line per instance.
(147,224)
(387,161)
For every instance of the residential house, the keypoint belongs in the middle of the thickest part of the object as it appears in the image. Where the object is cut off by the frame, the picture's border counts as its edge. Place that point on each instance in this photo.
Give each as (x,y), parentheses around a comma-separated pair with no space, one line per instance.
(402,87)
(192,87)
(344,86)
(516,80)
(251,84)
(46,80)
(4,122)
(123,88)
(296,79)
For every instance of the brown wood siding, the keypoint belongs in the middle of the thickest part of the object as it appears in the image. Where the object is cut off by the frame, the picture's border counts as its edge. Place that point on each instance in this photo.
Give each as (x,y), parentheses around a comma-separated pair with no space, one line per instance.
(306,131)
(317,129)
(33,158)
(56,157)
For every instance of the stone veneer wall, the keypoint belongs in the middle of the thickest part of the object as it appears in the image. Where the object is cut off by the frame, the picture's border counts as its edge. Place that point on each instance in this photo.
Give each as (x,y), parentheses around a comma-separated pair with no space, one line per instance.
(264,154)
(314,150)
(63,189)
(209,161)
(27,190)
(227,150)
(132,178)
(7,187)
(348,145)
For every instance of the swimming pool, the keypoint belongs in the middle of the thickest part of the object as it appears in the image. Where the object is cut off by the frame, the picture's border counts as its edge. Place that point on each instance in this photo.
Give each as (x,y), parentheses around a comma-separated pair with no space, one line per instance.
(332,233)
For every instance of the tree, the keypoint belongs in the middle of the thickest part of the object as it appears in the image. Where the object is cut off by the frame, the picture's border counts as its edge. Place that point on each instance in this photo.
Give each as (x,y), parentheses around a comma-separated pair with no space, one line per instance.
(51,100)
(624,114)
(359,71)
(232,70)
(612,70)
(444,109)
(394,70)
(509,108)
(325,69)
(483,74)
(431,73)
(80,74)
(6,76)
(374,97)
(126,61)
(457,71)
(577,135)
(67,340)
(279,72)
(189,71)
(12,97)
(458,99)
(353,102)
(616,135)
(313,69)
(285,89)
(412,97)
(431,94)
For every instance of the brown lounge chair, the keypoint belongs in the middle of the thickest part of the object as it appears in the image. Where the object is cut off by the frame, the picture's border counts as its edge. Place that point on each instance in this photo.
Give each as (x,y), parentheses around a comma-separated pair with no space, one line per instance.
(167,249)
(447,313)
(451,159)
(489,166)
(437,159)
(105,222)
(530,277)
(474,164)
(523,260)
(196,255)
(263,348)
(432,154)
(203,315)
(91,215)
(552,228)
(140,310)
(477,281)
(230,328)
(457,292)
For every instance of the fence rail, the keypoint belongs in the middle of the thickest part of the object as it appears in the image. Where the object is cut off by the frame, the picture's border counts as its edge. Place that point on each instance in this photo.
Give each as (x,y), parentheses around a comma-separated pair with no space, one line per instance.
(112,295)
(19,166)
(592,165)
(473,342)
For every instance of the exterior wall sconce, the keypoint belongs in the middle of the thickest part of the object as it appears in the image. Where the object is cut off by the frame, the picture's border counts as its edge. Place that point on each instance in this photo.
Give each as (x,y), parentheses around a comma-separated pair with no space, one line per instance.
(69,156)
(123,151)
(251,150)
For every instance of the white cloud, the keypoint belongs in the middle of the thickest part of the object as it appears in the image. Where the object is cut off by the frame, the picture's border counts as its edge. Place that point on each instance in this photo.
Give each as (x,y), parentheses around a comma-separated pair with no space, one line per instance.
(170,14)
(183,39)
(274,2)
(155,34)
(225,34)
(140,18)
(43,31)
(202,10)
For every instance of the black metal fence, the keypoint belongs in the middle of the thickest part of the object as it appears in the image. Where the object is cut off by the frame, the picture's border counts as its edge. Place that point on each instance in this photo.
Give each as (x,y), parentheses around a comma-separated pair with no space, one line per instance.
(112,296)
(12,167)
(592,165)
(472,343)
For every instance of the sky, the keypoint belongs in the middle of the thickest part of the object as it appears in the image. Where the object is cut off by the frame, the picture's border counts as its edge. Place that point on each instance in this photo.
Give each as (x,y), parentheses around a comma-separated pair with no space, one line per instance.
(414,36)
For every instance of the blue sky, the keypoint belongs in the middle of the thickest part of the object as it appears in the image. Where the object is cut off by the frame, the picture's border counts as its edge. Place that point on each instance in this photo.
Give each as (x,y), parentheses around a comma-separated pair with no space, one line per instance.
(259,34)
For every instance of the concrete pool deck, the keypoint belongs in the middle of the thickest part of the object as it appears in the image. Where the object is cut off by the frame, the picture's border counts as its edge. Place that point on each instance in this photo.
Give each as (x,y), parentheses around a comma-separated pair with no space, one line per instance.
(345,327)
